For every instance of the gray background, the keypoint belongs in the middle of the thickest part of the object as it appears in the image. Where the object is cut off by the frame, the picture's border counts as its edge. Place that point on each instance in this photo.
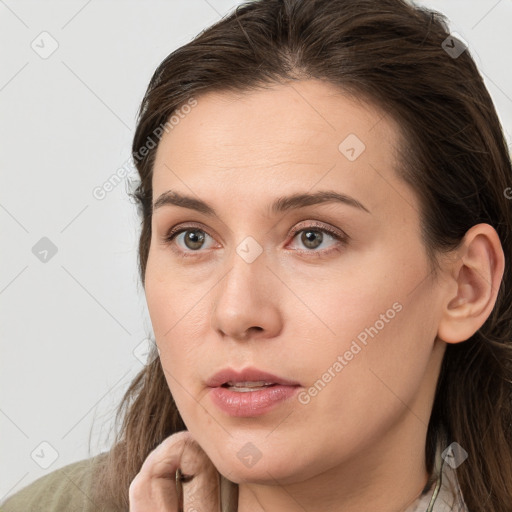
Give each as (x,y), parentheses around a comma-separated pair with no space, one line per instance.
(74,323)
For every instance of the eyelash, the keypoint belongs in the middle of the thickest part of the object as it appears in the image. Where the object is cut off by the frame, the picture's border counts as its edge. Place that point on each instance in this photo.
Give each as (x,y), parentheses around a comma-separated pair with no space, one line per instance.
(342,238)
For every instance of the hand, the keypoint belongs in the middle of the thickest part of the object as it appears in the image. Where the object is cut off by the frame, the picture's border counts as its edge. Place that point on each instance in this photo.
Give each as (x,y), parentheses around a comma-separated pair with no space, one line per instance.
(154,487)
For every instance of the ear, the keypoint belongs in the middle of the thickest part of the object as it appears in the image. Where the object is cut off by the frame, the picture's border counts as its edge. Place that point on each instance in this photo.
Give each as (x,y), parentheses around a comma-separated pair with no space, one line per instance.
(475,272)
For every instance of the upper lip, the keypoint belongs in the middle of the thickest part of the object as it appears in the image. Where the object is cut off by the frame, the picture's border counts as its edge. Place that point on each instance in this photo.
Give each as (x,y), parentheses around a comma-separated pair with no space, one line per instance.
(246,375)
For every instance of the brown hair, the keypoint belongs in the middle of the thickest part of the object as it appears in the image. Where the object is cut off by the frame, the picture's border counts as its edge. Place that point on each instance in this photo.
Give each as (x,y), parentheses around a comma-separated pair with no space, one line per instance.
(453,153)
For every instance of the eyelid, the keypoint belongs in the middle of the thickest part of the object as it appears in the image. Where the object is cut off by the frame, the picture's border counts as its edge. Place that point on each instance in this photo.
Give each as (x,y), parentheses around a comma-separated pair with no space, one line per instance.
(322,226)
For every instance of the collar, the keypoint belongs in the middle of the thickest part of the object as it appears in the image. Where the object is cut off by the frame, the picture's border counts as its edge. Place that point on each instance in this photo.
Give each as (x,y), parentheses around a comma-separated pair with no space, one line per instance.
(442,492)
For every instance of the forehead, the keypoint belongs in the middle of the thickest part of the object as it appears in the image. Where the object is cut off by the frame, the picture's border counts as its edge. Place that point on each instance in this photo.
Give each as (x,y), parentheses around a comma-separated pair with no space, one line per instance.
(306,111)
(287,136)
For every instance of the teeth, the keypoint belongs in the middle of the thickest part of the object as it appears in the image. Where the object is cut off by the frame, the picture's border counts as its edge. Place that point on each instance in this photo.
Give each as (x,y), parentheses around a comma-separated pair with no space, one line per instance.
(257,384)
(251,389)
(246,390)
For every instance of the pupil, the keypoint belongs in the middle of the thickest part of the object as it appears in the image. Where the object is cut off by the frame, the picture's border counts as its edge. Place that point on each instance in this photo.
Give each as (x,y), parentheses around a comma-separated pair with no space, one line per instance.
(309,238)
(195,239)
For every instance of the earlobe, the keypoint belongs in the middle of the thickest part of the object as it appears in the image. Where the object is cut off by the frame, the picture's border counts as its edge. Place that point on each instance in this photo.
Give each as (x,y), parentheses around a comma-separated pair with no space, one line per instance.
(476,272)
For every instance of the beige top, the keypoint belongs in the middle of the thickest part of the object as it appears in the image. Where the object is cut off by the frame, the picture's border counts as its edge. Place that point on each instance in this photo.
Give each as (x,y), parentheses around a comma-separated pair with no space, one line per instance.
(445,494)
(68,490)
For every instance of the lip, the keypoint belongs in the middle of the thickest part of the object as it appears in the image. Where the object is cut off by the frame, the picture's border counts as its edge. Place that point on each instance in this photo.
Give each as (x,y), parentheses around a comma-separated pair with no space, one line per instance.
(250,403)
(246,375)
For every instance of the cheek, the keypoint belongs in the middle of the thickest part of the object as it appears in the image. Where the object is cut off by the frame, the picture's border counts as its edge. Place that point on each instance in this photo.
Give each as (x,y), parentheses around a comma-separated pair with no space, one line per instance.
(350,301)
(177,315)
(381,324)
(161,307)
(169,297)
(355,390)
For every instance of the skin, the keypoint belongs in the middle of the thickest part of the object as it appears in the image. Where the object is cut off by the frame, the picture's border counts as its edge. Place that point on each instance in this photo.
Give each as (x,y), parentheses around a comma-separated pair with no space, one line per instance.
(154,487)
(359,443)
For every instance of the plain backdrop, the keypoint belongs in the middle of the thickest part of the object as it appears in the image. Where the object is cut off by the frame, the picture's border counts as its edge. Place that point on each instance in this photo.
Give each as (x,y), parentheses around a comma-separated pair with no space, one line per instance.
(74,322)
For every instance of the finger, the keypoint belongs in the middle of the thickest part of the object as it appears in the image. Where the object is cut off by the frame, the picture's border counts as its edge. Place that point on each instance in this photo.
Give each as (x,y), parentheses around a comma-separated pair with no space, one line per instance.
(202,492)
(154,487)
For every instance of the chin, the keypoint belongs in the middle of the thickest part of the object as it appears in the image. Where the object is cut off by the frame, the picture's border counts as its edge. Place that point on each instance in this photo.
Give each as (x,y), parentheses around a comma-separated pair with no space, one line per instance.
(260,472)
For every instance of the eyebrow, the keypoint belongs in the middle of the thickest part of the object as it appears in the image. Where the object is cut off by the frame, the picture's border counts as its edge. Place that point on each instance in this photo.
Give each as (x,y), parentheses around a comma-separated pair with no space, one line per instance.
(281,204)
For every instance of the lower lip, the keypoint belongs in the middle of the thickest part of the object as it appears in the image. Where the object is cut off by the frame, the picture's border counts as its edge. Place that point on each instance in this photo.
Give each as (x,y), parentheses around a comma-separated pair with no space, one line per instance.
(251,403)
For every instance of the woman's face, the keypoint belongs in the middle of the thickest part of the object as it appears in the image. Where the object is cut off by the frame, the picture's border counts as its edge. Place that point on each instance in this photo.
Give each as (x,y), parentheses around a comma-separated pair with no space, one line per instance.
(352,320)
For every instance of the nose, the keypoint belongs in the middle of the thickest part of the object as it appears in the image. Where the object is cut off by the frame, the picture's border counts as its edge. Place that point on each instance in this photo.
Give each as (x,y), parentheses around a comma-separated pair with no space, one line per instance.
(246,301)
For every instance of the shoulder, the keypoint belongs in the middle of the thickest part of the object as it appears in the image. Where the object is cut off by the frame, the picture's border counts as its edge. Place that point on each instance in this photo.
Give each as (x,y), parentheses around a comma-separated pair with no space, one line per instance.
(67,489)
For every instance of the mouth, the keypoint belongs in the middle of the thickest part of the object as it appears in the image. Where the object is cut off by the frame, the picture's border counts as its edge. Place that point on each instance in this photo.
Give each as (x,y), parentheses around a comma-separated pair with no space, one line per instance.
(248,386)
(250,392)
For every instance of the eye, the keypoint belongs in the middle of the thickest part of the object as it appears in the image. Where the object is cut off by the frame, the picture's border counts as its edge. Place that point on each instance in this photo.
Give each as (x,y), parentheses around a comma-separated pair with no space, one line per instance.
(193,240)
(312,238)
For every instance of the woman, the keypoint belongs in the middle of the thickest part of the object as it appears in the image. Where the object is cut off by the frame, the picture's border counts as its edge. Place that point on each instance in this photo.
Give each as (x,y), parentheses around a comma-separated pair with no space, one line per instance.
(325,230)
